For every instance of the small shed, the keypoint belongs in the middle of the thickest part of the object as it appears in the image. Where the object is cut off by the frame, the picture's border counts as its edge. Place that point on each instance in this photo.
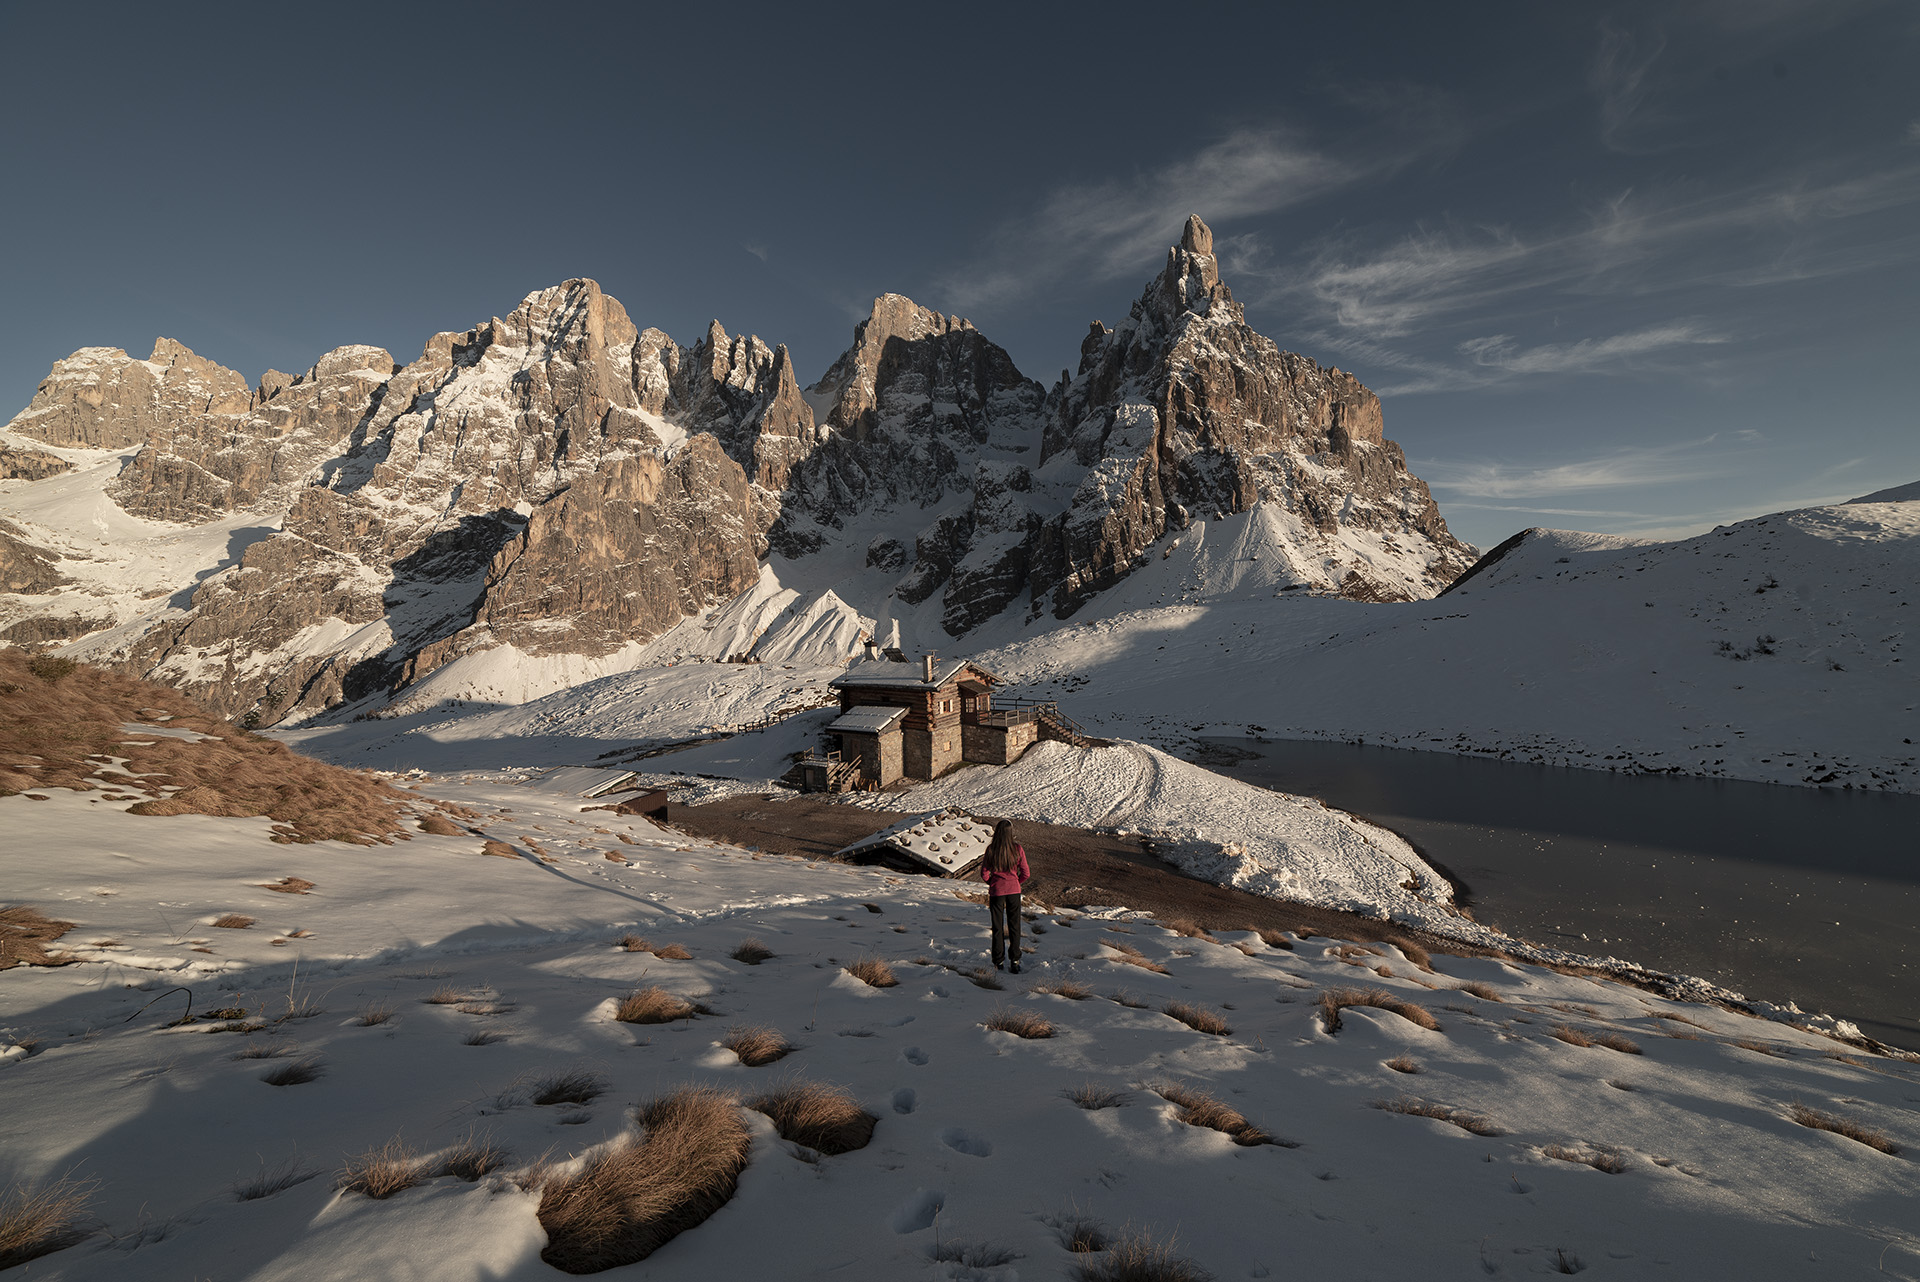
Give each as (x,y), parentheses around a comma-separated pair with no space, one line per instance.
(871,735)
(582,781)
(944,843)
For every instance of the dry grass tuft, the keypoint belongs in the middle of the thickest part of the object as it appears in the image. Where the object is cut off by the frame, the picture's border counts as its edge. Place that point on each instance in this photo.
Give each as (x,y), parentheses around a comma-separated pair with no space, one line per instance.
(1616,1042)
(1079,1232)
(1071,989)
(1275,939)
(1416,954)
(1127,953)
(444,996)
(873,971)
(381,1172)
(1600,1157)
(981,977)
(374,1014)
(672,952)
(823,1118)
(25,934)
(1200,1109)
(482,1037)
(440,826)
(666,952)
(271,1179)
(1092,1096)
(1127,999)
(757,1046)
(1335,1000)
(973,1255)
(1188,927)
(1198,1018)
(1853,1130)
(473,1159)
(1472,1123)
(37,1222)
(499,849)
(289,885)
(751,951)
(232,921)
(576,1086)
(263,1050)
(1571,1035)
(1763,1048)
(655,1005)
(630,1201)
(1021,1023)
(296,1073)
(1136,1257)
(1485,992)
(1405,1064)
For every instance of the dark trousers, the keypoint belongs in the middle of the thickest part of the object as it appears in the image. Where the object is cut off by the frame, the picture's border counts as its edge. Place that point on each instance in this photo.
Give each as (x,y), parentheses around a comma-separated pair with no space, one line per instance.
(1004,910)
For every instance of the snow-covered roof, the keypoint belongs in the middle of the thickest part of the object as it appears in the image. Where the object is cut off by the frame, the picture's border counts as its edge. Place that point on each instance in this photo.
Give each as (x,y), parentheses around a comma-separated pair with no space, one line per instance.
(580,781)
(943,842)
(885,672)
(867,719)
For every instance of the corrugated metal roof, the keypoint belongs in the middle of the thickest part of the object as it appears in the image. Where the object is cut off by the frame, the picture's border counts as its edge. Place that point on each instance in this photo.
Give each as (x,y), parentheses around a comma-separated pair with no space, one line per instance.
(867,719)
(883,672)
(580,781)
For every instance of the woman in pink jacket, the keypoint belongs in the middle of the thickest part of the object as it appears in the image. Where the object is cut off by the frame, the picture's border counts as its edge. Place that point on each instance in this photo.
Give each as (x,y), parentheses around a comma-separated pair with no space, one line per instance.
(1005,871)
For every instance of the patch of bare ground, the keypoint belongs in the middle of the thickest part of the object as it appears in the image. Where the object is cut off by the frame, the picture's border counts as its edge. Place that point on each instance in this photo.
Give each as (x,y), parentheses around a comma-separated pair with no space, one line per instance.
(1136,1256)
(37,1221)
(1198,1018)
(629,1201)
(1600,1157)
(665,952)
(757,1046)
(872,971)
(24,935)
(381,1172)
(1853,1129)
(59,727)
(1200,1109)
(820,1117)
(655,1005)
(751,951)
(1335,1000)
(1473,1123)
(1021,1023)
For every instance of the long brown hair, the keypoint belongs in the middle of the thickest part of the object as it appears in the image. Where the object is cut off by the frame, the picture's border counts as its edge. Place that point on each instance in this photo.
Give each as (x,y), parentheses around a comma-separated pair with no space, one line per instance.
(1000,855)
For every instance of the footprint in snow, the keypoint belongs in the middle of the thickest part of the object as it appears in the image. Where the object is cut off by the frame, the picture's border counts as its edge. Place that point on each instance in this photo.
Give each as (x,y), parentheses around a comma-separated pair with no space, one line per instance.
(962,1140)
(918,1211)
(914,1055)
(904,1100)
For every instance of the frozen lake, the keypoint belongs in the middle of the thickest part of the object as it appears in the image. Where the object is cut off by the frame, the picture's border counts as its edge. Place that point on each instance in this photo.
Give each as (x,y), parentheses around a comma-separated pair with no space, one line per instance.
(1807,895)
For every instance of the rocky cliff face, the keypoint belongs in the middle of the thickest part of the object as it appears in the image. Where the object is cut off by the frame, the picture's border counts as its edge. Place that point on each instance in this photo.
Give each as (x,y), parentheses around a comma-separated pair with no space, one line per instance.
(566,482)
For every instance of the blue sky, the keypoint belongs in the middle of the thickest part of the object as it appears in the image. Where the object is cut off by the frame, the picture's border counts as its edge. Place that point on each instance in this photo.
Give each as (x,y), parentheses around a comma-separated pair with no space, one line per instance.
(1629,268)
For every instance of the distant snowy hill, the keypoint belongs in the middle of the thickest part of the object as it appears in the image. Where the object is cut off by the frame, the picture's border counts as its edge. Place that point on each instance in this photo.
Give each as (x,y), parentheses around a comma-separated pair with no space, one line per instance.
(564,487)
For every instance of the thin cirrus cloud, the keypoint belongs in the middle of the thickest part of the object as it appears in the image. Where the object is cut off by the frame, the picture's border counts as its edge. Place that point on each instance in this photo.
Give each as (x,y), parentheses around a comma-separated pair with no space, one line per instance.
(1111,229)
(1634,468)
(1621,77)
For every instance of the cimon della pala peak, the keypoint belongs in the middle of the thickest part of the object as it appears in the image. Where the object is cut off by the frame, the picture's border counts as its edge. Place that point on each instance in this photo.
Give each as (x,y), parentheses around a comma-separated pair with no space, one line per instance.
(568,484)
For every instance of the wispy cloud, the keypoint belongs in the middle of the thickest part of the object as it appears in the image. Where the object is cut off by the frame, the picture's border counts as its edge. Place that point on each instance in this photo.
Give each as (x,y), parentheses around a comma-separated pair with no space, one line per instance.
(1633,468)
(1620,76)
(1913,132)
(756,249)
(1500,352)
(1122,226)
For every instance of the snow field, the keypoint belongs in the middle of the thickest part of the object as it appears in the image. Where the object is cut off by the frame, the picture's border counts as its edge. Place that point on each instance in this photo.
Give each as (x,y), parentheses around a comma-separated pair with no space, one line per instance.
(977,1140)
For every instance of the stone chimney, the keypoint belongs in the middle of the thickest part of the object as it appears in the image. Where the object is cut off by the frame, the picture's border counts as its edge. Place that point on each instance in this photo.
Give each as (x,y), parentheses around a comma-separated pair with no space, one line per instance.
(872,650)
(929,667)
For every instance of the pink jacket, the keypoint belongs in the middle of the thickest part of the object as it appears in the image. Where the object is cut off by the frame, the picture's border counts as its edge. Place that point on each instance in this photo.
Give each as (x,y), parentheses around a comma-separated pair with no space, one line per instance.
(1007,883)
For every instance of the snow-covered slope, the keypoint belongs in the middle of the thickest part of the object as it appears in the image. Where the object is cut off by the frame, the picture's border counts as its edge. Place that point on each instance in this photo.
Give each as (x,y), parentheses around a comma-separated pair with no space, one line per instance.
(202,1168)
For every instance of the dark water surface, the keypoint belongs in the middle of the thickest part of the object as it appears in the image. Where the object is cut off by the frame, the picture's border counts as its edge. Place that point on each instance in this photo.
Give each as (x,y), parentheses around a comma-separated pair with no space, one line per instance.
(1784,894)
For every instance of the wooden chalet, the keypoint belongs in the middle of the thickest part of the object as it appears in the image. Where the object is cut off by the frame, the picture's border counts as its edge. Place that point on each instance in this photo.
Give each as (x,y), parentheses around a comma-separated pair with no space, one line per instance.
(948,718)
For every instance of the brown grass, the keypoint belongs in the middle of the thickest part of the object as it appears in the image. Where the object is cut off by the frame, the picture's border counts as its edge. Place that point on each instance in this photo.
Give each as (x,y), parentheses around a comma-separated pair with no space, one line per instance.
(1763,1048)
(1571,1035)
(294,1073)
(1853,1130)
(1071,989)
(482,1037)
(439,826)
(1275,938)
(980,977)
(1616,1042)
(655,1005)
(473,1159)
(1335,1000)
(576,1086)
(1127,953)
(289,885)
(1472,1123)
(757,1046)
(57,732)
(1485,992)
(823,1118)
(271,1179)
(39,1221)
(499,848)
(630,1201)
(445,996)
(1127,999)
(1092,1096)
(1200,1109)
(1188,927)
(381,1172)
(1021,1023)
(374,1014)
(1198,1018)
(1137,1257)
(1416,954)
(232,921)
(751,951)
(24,936)
(666,952)
(1599,1156)
(873,971)
(1405,1064)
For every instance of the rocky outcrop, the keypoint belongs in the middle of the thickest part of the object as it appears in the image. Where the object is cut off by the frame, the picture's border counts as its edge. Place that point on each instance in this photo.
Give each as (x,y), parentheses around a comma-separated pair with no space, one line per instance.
(99,398)
(24,568)
(30,465)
